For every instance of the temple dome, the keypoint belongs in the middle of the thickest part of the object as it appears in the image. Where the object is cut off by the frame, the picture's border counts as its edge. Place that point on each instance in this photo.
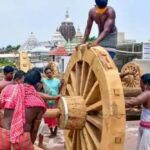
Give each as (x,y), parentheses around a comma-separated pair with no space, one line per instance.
(78,34)
(67,28)
(31,43)
(57,38)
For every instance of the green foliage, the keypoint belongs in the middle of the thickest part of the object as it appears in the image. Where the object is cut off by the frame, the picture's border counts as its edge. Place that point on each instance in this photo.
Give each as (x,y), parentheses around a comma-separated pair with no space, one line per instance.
(5,62)
(11,48)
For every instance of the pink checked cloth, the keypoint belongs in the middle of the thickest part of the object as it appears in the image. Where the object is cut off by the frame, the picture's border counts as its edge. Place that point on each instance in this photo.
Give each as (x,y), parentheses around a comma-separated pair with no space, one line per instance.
(18,97)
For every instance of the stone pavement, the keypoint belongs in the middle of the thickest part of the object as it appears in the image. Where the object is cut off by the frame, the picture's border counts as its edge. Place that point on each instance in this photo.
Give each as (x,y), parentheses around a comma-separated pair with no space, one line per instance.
(131,138)
(55,143)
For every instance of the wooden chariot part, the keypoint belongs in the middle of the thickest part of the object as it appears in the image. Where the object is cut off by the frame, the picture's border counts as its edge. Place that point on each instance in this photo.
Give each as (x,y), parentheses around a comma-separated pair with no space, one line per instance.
(24,61)
(131,82)
(73,112)
(92,109)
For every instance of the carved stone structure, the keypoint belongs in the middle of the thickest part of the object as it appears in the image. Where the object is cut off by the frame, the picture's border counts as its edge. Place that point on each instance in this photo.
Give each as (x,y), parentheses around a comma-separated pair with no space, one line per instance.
(24,61)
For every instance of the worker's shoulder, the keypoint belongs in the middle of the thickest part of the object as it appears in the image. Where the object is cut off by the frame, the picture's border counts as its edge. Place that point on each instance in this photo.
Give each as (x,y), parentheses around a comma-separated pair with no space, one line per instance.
(92,10)
(110,10)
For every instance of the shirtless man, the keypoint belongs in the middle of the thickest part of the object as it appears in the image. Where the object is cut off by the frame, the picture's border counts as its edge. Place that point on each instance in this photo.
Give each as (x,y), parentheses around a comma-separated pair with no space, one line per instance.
(104,16)
(7,79)
(8,76)
(21,118)
(144,100)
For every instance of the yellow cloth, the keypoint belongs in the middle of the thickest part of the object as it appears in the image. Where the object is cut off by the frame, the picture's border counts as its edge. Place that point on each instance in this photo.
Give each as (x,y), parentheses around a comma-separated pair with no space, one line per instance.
(101,10)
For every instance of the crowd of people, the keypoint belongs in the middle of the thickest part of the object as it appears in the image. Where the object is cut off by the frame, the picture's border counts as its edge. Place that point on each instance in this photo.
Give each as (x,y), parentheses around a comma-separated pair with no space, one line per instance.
(24,99)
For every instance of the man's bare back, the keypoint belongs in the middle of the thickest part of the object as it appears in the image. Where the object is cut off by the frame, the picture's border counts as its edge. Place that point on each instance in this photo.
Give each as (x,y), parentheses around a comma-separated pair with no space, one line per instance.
(102,19)
(33,118)
(4,83)
(31,114)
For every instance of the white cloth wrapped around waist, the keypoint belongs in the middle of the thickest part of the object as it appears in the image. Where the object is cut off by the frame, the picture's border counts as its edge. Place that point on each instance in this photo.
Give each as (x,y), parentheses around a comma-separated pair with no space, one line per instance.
(145,118)
(144,139)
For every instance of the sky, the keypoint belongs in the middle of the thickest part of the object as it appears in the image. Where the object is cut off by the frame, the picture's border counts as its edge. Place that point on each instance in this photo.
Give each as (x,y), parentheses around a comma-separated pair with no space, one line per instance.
(18,18)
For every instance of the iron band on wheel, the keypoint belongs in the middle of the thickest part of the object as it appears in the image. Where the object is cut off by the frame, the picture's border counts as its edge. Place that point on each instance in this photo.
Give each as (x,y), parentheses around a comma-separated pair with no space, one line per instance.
(65,110)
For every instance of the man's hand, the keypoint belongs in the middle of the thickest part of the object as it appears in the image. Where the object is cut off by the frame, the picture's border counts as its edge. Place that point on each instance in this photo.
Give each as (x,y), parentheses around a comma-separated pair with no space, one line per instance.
(77,47)
(92,44)
(57,97)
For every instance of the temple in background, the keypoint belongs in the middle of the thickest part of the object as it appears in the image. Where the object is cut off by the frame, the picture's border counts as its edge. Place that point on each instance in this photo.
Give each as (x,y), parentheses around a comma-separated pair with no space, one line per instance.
(63,41)
(66,35)
(57,48)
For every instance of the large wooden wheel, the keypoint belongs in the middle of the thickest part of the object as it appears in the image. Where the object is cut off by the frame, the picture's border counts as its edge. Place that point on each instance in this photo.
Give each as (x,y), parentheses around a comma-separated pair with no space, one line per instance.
(93,76)
(132,80)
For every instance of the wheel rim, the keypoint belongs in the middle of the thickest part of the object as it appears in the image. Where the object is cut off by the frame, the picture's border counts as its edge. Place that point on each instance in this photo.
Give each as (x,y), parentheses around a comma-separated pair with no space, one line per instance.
(93,75)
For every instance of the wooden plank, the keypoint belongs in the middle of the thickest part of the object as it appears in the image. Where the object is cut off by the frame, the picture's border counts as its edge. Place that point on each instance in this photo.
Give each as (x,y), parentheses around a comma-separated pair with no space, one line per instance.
(132,92)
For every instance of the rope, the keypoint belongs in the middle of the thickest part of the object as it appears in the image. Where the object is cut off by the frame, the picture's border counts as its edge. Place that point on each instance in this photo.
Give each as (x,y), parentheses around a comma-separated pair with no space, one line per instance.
(124,52)
(128,52)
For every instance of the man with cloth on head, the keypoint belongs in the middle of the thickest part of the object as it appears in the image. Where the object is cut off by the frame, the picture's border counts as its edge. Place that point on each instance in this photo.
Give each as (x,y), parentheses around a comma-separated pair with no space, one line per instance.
(104,16)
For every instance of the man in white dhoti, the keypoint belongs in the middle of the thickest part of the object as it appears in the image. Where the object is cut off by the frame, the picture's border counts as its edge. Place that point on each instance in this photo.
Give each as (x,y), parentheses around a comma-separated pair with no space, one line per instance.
(143,100)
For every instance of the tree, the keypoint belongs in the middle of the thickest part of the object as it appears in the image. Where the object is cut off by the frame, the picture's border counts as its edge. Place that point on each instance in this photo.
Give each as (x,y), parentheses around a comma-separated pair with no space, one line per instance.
(5,62)
(11,49)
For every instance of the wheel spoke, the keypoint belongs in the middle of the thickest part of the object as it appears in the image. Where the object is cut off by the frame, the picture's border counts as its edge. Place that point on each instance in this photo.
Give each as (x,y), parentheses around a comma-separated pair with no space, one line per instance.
(89,144)
(79,141)
(74,141)
(84,71)
(70,90)
(68,140)
(89,82)
(70,134)
(83,145)
(78,76)
(95,107)
(95,139)
(93,89)
(73,82)
(95,120)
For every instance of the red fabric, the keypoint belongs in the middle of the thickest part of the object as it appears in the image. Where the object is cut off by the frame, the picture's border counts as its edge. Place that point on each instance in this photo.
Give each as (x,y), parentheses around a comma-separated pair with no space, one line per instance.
(51,122)
(145,124)
(24,141)
(18,97)
(60,51)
